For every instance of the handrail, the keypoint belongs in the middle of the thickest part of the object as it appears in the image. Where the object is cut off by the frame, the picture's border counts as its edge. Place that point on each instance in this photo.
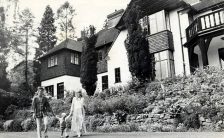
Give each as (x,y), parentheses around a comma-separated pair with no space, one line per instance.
(205,22)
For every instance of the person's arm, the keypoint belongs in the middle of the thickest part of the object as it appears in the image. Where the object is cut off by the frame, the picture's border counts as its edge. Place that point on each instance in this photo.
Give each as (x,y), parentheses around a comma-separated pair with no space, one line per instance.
(71,109)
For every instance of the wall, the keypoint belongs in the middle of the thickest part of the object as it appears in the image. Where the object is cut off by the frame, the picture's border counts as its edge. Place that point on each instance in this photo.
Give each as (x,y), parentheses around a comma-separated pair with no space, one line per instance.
(117,57)
(177,29)
(70,83)
(64,67)
(213,55)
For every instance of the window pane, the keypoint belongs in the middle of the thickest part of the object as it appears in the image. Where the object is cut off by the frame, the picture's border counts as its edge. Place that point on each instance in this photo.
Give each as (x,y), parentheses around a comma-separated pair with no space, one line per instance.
(160,20)
(52,61)
(163,55)
(55,60)
(49,62)
(158,70)
(76,58)
(164,69)
(72,57)
(153,24)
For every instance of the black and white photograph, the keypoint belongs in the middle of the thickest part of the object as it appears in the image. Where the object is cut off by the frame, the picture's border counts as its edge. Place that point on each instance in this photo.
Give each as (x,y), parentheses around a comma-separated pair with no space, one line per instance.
(112,68)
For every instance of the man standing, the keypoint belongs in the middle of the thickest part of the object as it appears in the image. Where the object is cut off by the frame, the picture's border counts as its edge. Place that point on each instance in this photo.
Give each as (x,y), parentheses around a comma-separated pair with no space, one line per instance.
(41,108)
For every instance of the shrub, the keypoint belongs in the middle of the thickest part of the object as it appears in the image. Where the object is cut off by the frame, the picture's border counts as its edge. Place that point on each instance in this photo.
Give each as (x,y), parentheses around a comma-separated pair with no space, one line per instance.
(95,122)
(22,101)
(22,114)
(53,122)
(28,124)
(10,110)
(58,106)
(13,125)
(121,116)
(192,121)
(1,125)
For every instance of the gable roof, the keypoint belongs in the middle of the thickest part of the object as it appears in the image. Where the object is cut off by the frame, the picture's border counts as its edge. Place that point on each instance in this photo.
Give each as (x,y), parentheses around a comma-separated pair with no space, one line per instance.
(153,6)
(106,36)
(204,4)
(66,44)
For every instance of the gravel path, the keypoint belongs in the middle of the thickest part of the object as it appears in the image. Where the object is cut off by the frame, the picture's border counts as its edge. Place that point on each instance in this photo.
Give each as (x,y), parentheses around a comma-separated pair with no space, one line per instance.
(121,135)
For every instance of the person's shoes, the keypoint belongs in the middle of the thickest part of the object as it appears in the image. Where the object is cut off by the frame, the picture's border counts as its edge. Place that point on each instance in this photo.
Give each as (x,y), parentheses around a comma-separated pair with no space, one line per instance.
(66,136)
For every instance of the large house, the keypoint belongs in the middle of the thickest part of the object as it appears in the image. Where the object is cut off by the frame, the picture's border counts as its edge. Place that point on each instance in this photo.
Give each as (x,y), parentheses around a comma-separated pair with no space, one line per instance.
(183,35)
(60,68)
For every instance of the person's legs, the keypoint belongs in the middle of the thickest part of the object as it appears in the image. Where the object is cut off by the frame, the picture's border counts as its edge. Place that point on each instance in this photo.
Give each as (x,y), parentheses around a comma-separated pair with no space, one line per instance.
(45,126)
(38,121)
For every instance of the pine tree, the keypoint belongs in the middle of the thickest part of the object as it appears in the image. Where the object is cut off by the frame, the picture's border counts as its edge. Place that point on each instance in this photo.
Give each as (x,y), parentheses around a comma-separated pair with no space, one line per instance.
(65,15)
(89,63)
(47,29)
(46,40)
(140,60)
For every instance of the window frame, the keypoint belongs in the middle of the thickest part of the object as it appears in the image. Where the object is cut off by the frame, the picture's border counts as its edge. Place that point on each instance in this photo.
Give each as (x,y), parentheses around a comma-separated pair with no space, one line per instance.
(75,58)
(117,72)
(52,61)
(49,88)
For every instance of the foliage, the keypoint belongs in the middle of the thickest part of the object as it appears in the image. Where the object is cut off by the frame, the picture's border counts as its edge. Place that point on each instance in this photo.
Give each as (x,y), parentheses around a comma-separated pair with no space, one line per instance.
(5,83)
(47,29)
(59,106)
(10,110)
(140,61)
(28,124)
(130,127)
(13,125)
(65,15)
(89,63)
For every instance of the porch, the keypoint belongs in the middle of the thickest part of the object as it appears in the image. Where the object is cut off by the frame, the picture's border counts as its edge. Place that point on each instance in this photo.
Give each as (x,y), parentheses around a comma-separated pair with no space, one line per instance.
(205,40)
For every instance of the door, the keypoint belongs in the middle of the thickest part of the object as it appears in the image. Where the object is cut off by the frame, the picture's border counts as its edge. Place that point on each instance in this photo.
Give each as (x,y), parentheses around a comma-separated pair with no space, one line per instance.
(60,90)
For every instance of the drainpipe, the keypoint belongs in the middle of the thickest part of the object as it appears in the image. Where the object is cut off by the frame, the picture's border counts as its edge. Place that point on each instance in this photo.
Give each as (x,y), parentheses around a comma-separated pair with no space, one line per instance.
(181,40)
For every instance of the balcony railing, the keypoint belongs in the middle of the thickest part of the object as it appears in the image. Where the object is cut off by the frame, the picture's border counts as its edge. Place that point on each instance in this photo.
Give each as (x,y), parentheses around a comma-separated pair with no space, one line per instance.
(209,22)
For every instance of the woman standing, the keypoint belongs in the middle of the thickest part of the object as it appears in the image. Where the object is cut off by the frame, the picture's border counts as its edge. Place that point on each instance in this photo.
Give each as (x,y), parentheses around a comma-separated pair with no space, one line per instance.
(77,113)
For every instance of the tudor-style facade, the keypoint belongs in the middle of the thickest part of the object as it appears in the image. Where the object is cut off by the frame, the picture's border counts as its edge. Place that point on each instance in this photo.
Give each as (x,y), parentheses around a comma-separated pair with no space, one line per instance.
(60,68)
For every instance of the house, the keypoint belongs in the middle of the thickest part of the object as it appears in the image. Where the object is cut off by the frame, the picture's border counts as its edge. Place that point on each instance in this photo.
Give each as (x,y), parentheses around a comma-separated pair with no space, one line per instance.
(183,35)
(176,31)
(60,68)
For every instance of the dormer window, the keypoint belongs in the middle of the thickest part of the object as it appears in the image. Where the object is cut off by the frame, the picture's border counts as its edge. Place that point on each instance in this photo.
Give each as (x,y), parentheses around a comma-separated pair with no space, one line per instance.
(75,58)
(52,61)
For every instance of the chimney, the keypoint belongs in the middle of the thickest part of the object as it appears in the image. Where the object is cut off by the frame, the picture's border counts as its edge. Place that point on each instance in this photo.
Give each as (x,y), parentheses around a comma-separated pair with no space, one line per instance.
(113,18)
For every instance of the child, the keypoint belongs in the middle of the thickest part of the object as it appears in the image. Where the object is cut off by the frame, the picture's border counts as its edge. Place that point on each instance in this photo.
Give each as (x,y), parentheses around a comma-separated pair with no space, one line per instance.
(62,124)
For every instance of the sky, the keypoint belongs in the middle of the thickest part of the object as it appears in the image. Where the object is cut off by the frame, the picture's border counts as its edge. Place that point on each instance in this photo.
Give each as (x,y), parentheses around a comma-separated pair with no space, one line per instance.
(89,12)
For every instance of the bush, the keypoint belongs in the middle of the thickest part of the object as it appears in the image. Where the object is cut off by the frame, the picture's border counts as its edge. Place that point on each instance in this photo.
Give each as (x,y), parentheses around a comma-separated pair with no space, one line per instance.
(59,106)
(53,122)
(1,125)
(192,121)
(10,110)
(13,125)
(28,124)
(22,114)
(95,122)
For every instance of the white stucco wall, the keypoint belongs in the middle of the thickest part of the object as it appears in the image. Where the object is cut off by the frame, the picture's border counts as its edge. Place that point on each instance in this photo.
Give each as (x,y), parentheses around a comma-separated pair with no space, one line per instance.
(70,83)
(177,29)
(117,58)
(213,55)
(99,81)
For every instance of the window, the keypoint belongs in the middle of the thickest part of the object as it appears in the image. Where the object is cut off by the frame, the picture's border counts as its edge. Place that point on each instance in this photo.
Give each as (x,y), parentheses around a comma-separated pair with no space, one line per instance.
(164,64)
(117,75)
(52,61)
(100,56)
(50,90)
(75,58)
(104,82)
(154,23)
(60,90)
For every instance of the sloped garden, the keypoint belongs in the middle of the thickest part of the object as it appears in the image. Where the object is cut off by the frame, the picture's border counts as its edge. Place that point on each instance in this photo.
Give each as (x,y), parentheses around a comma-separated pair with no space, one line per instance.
(192,103)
